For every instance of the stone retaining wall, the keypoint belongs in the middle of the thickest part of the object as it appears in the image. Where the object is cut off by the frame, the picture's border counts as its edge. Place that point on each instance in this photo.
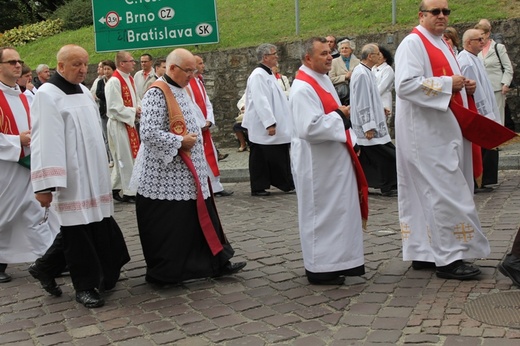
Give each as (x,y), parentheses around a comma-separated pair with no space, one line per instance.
(227,71)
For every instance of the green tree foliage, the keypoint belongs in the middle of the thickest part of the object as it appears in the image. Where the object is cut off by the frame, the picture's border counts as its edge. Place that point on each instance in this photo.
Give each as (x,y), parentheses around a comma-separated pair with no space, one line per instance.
(75,14)
(20,12)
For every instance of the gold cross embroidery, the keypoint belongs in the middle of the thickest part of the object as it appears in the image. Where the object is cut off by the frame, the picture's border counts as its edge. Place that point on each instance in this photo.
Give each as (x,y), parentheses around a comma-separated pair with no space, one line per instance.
(405,231)
(464,232)
(430,87)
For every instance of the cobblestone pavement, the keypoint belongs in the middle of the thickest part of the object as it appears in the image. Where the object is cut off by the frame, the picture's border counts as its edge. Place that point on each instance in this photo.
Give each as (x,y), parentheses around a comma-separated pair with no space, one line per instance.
(271,302)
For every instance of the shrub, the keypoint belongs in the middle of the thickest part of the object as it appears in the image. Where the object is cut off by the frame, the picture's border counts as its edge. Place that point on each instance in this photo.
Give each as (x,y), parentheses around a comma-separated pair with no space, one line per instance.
(75,14)
(31,32)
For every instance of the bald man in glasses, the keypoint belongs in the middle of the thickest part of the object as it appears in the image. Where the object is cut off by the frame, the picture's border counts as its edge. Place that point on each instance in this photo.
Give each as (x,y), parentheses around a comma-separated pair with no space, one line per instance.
(439,221)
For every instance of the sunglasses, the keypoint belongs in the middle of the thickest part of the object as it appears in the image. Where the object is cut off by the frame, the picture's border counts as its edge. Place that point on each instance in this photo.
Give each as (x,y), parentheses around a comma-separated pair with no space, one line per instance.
(480,39)
(12,62)
(437,11)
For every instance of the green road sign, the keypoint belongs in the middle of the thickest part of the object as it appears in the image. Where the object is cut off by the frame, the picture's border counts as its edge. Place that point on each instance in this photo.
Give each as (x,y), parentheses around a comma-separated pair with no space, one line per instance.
(137,24)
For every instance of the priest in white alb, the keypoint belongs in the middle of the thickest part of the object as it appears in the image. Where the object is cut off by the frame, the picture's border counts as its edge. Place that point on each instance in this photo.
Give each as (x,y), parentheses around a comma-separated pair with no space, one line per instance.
(25,232)
(368,117)
(328,186)
(440,226)
(123,109)
(485,102)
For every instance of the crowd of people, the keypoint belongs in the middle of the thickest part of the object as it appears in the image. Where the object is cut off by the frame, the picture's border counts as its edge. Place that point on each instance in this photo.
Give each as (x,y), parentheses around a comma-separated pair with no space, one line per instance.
(67,152)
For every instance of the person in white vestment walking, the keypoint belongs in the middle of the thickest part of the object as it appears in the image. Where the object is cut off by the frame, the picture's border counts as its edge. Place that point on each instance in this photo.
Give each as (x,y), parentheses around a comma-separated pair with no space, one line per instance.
(329,213)
(25,231)
(485,102)
(368,117)
(69,169)
(201,99)
(123,111)
(440,227)
(267,120)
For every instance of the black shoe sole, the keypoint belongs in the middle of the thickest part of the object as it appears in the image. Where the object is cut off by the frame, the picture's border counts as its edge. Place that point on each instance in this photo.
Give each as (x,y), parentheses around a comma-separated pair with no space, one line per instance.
(337,281)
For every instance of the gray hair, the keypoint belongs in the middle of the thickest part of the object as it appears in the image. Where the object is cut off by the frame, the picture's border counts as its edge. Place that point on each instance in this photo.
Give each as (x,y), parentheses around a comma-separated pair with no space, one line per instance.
(350,43)
(263,50)
(308,46)
(41,67)
(368,49)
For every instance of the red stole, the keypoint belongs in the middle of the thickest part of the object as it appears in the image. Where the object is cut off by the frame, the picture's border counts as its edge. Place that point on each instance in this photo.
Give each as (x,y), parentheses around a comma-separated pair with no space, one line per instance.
(475,127)
(127,102)
(7,120)
(178,127)
(330,105)
(200,100)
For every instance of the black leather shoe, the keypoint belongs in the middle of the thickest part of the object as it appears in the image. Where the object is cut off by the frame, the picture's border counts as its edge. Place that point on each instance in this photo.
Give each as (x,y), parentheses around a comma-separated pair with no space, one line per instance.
(391,193)
(128,199)
(4,277)
(116,196)
(222,156)
(223,193)
(483,189)
(90,299)
(48,283)
(457,270)
(261,193)
(510,267)
(231,268)
(418,265)
(336,281)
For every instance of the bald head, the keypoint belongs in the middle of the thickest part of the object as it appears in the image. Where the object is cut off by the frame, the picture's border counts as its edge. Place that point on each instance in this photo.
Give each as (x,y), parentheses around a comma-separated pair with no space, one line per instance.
(72,63)
(473,40)
(180,66)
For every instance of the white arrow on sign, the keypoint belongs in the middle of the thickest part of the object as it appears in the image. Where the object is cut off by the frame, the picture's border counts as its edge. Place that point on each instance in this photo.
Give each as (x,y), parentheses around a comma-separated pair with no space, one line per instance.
(102,20)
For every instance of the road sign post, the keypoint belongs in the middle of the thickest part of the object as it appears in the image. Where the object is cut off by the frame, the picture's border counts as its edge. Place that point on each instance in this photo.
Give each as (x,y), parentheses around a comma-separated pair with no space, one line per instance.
(138,24)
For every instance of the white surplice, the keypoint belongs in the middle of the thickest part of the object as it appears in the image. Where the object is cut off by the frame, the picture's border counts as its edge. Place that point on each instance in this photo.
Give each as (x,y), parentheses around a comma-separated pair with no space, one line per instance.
(438,217)
(328,203)
(118,141)
(266,104)
(77,164)
(22,238)
(366,109)
(484,96)
(385,78)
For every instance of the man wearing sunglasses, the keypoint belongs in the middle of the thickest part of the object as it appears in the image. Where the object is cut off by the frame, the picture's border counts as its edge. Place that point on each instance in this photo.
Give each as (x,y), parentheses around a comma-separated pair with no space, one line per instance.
(23,237)
(439,221)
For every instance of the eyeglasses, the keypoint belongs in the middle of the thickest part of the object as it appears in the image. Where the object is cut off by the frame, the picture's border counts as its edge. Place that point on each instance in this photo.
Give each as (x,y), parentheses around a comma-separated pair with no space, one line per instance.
(187,71)
(275,53)
(437,11)
(125,61)
(480,39)
(12,62)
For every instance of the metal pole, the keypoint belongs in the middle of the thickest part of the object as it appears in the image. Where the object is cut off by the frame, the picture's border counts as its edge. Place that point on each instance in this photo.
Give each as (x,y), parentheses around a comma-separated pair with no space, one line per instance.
(297,15)
(393,11)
